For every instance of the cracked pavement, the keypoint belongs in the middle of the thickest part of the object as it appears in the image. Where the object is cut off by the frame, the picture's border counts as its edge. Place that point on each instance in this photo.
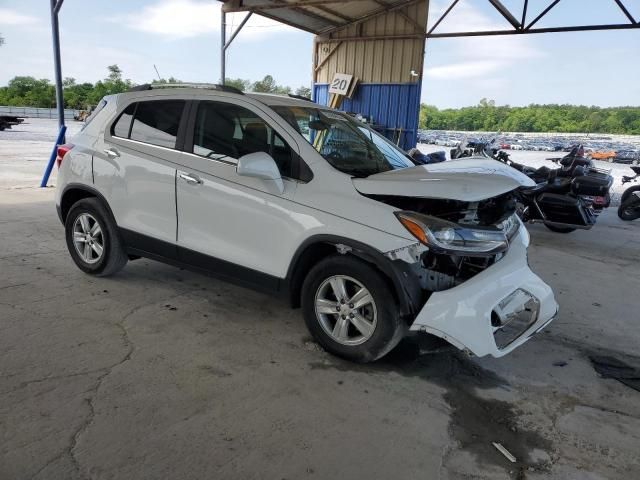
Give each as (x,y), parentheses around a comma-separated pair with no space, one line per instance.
(163,373)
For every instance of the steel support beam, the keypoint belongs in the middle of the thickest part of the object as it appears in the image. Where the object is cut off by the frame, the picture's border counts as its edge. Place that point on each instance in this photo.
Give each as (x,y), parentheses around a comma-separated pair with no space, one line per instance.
(223,43)
(238,5)
(237,30)
(520,27)
(579,28)
(57,63)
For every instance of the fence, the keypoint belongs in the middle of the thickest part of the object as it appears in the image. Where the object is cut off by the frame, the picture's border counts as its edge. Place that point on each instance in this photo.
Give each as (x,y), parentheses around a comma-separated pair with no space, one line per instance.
(33,112)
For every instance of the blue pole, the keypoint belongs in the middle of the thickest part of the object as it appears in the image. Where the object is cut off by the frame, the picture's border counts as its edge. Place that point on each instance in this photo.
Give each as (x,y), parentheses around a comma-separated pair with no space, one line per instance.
(52,158)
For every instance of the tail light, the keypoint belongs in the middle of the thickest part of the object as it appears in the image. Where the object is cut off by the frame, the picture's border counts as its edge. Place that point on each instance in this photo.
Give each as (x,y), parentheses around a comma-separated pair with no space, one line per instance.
(62,151)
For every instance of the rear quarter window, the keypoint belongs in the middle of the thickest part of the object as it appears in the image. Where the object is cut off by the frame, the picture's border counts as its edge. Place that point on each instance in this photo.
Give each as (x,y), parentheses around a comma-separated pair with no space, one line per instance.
(95,112)
(122,126)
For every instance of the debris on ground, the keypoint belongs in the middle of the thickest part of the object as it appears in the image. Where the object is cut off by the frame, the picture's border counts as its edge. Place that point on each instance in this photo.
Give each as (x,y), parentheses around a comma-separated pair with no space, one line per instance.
(609,367)
(560,363)
(504,452)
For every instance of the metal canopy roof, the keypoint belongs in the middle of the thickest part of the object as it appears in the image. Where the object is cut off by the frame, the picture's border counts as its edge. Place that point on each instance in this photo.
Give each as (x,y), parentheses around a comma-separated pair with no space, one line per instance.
(324,17)
(321,17)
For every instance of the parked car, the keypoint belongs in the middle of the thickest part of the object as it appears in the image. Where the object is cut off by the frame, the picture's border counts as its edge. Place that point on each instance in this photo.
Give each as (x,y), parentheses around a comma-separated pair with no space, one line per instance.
(602,155)
(293,198)
(627,156)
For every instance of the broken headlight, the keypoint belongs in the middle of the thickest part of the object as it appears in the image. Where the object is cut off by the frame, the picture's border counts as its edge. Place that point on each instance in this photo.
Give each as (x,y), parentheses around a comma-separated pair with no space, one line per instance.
(452,238)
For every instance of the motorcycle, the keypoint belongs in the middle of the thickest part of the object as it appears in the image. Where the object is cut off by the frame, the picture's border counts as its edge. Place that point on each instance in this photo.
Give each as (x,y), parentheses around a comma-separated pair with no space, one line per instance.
(564,199)
(630,201)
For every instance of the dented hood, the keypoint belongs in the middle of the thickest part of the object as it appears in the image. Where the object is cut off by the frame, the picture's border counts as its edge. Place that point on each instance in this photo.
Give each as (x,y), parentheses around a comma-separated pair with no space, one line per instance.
(466,179)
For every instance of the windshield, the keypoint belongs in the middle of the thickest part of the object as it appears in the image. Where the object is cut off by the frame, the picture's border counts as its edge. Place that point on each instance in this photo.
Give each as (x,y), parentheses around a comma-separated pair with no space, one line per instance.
(347,144)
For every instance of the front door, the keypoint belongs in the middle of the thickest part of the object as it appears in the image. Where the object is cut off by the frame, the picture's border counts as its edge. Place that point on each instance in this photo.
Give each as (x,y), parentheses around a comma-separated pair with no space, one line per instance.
(239,224)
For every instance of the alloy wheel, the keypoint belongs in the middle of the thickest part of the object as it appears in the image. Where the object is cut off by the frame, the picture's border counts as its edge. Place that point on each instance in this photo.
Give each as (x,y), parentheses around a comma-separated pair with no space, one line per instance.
(346,310)
(88,238)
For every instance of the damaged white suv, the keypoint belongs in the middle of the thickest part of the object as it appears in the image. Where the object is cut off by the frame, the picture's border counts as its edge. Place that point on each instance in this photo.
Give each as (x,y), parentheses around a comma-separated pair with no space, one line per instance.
(289,197)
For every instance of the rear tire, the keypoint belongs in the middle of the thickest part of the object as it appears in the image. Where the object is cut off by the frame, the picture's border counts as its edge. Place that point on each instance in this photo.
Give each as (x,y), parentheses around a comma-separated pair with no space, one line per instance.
(363,330)
(553,228)
(630,210)
(93,240)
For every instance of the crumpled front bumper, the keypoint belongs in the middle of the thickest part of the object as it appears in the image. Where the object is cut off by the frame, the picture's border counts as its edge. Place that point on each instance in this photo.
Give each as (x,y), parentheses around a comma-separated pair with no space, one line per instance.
(463,315)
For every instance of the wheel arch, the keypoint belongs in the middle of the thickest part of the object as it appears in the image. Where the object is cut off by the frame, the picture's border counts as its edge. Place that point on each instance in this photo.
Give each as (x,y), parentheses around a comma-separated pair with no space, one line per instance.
(74,192)
(403,286)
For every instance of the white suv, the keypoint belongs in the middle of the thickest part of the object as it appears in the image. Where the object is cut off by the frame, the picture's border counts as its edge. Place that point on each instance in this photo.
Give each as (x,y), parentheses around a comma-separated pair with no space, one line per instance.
(283,195)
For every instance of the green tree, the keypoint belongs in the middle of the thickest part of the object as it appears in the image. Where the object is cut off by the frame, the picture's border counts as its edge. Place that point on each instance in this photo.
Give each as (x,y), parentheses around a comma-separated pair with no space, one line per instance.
(269,85)
(533,118)
(239,83)
(304,92)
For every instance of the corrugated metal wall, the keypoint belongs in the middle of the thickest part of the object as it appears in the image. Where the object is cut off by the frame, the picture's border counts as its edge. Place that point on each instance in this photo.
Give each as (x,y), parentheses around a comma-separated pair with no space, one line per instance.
(381,52)
(376,61)
(393,108)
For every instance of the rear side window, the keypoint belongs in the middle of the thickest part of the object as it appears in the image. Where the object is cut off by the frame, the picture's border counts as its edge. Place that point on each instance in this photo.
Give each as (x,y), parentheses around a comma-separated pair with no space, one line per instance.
(154,122)
(157,122)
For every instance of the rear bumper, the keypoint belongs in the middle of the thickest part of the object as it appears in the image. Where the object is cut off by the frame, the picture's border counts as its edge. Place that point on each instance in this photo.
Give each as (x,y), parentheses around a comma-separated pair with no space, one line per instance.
(463,315)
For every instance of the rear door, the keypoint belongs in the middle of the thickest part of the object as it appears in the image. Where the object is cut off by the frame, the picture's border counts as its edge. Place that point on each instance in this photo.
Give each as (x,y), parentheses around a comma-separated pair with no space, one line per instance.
(238,225)
(136,172)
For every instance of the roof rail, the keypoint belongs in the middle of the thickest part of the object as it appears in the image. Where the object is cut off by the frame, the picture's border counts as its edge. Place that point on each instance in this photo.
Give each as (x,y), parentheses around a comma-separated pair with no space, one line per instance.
(300,97)
(207,86)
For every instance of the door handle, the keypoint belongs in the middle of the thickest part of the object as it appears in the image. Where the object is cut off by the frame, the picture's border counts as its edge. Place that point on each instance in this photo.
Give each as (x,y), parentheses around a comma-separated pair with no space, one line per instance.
(112,153)
(190,178)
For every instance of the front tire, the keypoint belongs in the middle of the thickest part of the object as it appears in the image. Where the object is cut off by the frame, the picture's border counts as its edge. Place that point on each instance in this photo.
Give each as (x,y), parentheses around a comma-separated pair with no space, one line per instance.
(627,193)
(349,309)
(630,210)
(93,240)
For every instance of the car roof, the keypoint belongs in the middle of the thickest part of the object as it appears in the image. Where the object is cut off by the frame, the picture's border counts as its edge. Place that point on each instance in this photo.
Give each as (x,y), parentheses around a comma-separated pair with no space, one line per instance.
(275,99)
(190,92)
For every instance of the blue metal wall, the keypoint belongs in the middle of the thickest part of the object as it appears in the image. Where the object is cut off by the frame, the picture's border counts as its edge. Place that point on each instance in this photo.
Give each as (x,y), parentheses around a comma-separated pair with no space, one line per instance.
(392,105)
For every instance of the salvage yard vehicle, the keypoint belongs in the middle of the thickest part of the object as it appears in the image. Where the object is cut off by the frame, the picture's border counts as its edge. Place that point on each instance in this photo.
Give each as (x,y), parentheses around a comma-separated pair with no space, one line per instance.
(8,121)
(598,155)
(627,156)
(290,197)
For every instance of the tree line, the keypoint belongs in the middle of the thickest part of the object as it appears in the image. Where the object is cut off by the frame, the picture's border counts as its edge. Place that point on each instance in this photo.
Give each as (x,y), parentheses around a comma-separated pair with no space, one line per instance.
(486,116)
(25,91)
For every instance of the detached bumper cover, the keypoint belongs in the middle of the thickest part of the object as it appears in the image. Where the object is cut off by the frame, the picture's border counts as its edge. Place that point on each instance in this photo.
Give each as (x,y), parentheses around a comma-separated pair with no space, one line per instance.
(519,302)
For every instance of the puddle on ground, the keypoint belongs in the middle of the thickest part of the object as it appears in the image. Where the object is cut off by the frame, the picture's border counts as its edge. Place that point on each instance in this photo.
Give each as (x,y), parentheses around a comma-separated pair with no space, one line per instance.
(475,422)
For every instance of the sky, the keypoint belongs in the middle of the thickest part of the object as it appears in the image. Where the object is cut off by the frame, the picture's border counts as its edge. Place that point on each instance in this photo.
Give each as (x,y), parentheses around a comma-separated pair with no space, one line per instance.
(182,38)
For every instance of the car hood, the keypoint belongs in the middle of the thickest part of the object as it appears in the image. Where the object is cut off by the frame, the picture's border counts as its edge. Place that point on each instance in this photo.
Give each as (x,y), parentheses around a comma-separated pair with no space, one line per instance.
(467,179)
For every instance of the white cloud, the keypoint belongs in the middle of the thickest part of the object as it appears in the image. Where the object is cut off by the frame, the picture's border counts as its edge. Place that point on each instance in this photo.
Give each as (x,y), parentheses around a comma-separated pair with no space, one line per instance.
(471,69)
(478,57)
(191,18)
(10,17)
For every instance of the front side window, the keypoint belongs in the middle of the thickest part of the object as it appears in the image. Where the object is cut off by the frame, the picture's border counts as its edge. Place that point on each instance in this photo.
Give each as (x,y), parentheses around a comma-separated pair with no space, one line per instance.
(224,131)
(156,122)
(347,144)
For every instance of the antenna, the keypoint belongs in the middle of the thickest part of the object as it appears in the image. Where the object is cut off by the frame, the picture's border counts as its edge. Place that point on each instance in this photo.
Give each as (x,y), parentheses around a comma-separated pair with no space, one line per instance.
(158,73)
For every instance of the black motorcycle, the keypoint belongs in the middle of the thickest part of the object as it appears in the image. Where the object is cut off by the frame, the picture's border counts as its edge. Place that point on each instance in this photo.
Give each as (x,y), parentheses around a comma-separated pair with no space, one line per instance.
(630,201)
(564,199)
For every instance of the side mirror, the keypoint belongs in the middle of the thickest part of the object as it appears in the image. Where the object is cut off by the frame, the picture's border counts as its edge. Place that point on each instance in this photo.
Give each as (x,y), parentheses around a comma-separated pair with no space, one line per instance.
(261,165)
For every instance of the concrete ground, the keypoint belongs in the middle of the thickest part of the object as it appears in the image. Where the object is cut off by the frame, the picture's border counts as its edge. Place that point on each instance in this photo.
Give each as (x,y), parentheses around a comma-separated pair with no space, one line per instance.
(162,373)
